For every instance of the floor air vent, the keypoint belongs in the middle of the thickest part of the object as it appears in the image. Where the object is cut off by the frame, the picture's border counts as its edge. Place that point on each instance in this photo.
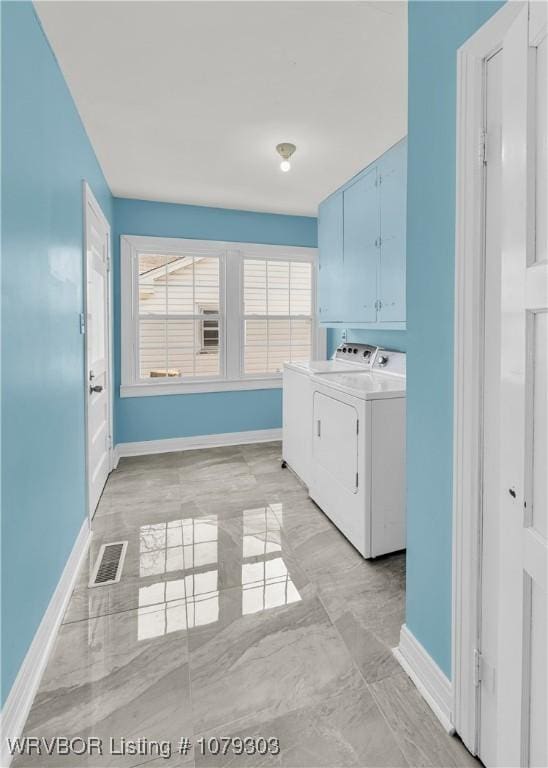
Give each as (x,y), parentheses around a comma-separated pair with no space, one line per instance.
(109,564)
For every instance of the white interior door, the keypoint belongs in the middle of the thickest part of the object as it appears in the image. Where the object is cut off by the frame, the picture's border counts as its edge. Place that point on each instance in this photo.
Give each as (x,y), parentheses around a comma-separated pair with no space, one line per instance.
(522,673)
(97,350)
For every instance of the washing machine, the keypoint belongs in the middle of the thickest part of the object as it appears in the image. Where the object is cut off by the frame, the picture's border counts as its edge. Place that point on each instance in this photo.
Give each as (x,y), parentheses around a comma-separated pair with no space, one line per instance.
(357,468)
(297,400)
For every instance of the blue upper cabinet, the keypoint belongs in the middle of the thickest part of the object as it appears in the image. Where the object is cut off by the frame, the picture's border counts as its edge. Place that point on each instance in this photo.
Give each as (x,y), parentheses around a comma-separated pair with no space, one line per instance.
(392,169)
(360,252)
(330,244)
(361,240)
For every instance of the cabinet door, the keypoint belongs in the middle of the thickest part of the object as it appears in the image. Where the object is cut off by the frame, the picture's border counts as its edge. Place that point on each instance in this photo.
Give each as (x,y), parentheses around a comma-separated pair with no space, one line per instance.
(335,440)
(330,245)
(361,233)
(393,197)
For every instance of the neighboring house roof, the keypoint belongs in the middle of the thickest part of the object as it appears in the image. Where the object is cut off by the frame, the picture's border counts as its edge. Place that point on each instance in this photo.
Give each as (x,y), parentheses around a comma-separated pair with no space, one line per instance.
(174,264)
(148,262)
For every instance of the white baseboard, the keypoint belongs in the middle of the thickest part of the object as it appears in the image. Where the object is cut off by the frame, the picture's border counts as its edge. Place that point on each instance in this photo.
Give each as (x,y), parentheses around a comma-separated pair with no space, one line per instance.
(23,690)
(431,682)
(146,447)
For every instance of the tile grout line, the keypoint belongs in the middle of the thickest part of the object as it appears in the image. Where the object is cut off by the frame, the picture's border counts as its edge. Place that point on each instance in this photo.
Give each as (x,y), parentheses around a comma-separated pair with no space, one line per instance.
(313,581)
(317,591)
(232,723)
(354,663)
(189,676)
(369,688)
(179,572)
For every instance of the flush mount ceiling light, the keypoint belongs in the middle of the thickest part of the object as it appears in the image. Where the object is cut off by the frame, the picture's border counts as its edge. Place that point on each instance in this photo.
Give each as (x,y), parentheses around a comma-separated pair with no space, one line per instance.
(285,150)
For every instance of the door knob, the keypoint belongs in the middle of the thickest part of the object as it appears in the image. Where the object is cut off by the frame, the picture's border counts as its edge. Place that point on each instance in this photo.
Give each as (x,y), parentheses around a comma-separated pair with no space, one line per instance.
(95,388)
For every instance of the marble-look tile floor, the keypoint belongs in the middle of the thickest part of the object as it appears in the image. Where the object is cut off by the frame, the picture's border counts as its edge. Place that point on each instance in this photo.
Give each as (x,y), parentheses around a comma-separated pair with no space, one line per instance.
(242,612)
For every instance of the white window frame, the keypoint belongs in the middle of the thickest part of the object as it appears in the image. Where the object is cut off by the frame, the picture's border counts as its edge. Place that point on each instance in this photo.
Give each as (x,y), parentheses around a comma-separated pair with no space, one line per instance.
(231,351)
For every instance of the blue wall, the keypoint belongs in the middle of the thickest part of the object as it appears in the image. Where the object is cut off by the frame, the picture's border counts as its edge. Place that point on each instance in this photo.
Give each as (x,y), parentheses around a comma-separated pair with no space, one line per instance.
(43,484)
(45,156)
(436,30)
(153,418)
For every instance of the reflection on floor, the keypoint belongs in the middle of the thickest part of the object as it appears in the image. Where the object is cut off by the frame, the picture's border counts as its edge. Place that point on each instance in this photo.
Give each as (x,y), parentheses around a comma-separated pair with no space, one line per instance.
(241,612)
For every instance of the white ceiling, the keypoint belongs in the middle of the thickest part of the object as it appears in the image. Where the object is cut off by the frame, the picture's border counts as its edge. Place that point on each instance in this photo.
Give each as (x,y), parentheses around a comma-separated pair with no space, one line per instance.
(185,101)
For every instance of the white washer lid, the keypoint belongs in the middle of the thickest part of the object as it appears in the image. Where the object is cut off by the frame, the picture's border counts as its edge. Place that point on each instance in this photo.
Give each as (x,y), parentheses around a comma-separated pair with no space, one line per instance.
(366,386)
(325,366)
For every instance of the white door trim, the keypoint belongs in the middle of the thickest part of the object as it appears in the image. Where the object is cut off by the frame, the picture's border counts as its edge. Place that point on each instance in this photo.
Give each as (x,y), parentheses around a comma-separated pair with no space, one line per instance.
(88,198)
(468,366)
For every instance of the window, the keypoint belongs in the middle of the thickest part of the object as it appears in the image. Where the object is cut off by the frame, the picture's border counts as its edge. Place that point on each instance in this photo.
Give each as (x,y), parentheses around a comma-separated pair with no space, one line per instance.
(203,316)
(277,316)
(174,295)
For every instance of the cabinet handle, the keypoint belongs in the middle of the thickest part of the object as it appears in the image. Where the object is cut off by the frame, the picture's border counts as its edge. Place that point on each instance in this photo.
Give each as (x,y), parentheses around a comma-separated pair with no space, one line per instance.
(318,428)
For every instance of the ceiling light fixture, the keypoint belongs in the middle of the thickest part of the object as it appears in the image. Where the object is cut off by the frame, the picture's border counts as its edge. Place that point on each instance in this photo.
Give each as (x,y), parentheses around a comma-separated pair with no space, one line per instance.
(285,150)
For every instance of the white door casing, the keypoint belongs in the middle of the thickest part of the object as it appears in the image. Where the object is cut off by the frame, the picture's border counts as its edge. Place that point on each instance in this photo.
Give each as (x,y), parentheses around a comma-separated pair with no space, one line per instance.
(98,349)
(469,366)
(522,732)
(488,639)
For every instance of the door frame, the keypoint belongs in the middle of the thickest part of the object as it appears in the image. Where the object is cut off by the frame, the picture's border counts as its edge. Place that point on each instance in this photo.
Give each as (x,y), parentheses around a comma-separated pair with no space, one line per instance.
(468,368)
(88,199)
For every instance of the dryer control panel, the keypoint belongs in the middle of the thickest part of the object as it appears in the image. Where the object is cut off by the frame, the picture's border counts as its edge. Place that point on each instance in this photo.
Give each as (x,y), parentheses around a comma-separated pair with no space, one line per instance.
(364,354)
(387,361)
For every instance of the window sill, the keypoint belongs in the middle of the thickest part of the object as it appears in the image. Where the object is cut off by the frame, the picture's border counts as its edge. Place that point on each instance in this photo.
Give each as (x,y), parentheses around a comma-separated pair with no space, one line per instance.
(193,388)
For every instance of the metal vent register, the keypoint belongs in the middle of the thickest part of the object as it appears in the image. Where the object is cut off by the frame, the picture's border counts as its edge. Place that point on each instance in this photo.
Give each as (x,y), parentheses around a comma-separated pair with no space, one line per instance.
(109,564)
